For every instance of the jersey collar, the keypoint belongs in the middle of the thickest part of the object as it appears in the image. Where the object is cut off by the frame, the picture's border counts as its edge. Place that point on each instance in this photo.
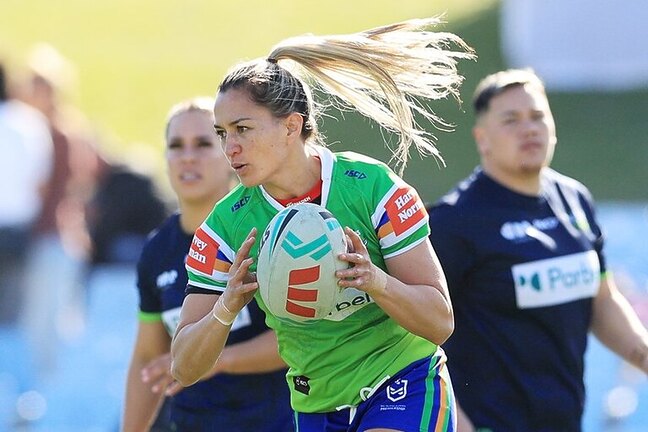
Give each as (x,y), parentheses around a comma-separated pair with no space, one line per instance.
(327,160)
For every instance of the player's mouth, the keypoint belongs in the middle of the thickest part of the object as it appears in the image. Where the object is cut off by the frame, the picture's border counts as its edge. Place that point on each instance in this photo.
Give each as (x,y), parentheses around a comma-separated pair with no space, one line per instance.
(190,176)
(531,146)
(238,167)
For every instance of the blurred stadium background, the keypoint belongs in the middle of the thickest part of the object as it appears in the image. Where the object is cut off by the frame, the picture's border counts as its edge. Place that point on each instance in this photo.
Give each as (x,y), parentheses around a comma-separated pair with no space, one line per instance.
(135,59)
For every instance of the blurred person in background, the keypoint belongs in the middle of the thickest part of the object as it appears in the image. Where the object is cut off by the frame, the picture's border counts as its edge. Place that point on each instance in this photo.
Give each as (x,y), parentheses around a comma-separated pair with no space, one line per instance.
(60,246)
(25,164)
(125,207)
(522,250)
(247,384)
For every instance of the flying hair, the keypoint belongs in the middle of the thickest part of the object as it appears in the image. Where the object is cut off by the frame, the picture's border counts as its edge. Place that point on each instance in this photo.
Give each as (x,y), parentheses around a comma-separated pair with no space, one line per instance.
(383,73)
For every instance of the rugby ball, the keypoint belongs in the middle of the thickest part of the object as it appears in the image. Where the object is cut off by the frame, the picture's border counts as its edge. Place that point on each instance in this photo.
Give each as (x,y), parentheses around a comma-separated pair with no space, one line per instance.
(297,261)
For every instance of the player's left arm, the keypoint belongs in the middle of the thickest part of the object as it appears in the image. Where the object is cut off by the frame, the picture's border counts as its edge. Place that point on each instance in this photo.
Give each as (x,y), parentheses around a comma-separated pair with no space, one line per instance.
(257,355)
(617,326)
(413,291)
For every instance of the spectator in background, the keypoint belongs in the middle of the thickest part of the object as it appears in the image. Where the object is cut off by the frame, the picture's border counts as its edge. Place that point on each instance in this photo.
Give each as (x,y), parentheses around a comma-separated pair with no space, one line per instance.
(124,209)
(248,380)
(523,254)
(25,164)
(60,245)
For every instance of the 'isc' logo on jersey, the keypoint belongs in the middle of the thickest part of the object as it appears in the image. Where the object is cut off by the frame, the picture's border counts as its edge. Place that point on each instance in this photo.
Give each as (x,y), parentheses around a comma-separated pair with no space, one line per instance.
(202,252)
(405,209)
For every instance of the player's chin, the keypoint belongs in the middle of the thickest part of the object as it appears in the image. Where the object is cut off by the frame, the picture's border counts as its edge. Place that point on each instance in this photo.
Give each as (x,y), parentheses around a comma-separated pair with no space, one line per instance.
(248,182)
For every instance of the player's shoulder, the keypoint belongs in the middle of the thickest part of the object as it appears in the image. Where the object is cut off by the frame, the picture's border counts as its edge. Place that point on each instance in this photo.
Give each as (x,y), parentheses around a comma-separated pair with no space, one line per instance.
(364,171)
(160,241)
(165,233)
(350,159)
(565,182)
(465,203)
(463,194)
(234,204)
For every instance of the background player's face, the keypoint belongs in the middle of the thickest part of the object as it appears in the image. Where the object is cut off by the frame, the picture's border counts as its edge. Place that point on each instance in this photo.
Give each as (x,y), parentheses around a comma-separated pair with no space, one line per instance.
(516,136)
(197,168)
(254,141)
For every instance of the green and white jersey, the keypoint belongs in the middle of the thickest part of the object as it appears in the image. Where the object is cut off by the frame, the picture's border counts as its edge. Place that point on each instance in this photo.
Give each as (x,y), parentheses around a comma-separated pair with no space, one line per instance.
(335,361)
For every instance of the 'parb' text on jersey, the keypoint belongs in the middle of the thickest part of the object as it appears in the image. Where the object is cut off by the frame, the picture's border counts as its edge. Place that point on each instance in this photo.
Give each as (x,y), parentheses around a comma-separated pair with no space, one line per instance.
(555,281)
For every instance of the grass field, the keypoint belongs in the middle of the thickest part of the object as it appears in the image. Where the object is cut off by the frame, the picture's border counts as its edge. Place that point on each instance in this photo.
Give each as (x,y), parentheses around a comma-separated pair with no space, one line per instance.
(135,59)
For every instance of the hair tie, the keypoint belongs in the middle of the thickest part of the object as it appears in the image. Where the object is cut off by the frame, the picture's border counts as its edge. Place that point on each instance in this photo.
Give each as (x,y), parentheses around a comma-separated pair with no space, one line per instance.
(271,60)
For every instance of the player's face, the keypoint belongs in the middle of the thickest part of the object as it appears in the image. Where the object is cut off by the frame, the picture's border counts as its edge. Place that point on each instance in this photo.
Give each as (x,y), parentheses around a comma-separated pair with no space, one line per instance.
(197,168)
(517,135)
(253,140)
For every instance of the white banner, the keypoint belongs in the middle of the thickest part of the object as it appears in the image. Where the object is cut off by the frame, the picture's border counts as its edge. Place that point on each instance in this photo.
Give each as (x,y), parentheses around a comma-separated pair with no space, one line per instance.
(579,44)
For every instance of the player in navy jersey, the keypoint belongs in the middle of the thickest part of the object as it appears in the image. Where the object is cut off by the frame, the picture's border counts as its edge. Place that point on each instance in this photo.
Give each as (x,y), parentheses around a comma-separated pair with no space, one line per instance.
(523,254)
(246,389)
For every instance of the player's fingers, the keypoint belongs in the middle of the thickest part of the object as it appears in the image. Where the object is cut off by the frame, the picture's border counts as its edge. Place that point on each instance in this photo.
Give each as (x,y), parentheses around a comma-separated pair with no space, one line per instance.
(244,251)
(173,389)
(356,241)
(162,384)
(246,247)
(356,270)
(155,368)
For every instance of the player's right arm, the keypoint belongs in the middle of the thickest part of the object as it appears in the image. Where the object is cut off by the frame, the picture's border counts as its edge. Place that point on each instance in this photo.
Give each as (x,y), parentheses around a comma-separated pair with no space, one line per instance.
(203,328)
(141,403)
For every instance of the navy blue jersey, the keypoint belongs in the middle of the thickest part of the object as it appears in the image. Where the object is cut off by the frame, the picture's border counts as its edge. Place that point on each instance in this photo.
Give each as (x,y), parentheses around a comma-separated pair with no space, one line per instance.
(522,273)
(254,402)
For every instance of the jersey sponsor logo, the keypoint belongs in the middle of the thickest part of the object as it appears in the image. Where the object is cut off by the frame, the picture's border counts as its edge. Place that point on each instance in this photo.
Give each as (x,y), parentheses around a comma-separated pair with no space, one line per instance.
(556,281)
(240,203)
(404,209)
(397,390)
(302,277)
(202,252)
(520,230)
(301,384)
(349,301)
(355,174)
(166,279)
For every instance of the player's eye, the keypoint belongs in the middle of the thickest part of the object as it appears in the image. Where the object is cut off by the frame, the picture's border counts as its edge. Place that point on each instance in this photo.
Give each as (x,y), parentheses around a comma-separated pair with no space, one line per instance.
(205,143)
(220,133)
(174,145)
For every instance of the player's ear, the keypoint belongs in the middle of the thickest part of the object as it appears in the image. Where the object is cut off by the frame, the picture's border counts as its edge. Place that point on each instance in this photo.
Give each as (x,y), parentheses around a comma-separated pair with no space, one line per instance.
(294,124)
(481,139)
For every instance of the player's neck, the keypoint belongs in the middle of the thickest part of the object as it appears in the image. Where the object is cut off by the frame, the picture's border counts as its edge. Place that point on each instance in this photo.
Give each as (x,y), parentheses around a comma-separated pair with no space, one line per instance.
(522,183)
(296,182)
(192,215)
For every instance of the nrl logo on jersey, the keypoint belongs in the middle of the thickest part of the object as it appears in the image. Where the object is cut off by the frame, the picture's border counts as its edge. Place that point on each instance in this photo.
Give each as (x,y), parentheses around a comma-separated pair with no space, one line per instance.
(397,390)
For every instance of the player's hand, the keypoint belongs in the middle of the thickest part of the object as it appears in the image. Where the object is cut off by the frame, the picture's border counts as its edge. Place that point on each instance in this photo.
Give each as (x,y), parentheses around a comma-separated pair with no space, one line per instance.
(242,282)
(362,273)
(157,373)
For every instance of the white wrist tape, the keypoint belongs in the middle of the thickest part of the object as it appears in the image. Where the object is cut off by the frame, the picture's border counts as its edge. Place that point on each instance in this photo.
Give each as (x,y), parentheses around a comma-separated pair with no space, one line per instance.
(222,314)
